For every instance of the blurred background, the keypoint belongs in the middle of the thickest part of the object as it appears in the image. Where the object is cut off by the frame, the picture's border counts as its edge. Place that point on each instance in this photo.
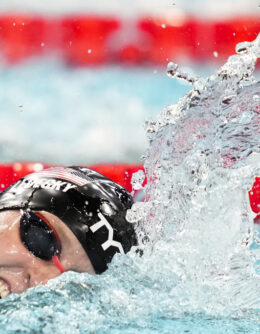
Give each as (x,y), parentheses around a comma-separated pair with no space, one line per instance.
(78,79)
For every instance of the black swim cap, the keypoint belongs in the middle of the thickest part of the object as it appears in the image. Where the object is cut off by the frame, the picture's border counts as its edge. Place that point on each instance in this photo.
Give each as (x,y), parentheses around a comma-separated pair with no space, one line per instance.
(91,205)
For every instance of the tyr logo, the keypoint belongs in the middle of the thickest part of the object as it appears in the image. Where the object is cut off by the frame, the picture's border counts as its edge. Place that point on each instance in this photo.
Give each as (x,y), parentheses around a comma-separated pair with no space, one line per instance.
(110,242)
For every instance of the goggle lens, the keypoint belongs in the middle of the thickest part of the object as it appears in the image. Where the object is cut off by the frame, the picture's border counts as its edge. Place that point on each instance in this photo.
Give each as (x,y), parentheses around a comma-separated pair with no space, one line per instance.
(39,237)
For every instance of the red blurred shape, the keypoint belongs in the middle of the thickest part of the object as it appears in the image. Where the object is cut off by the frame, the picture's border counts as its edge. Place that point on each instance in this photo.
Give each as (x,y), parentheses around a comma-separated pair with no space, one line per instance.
(84,38)
(203,40)
(21,37)
(257,220)
(11,172)
(130,54)
(93,40)
(171,39)
(177,39)
(230,33)
(254,195)
(120,173)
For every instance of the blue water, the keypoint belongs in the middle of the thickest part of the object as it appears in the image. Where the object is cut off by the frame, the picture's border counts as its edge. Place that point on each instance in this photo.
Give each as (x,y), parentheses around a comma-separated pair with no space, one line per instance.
(79,303)
(79,115)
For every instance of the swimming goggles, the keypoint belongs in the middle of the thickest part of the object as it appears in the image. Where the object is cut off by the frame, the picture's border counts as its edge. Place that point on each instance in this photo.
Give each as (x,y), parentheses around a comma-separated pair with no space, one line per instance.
(40,238)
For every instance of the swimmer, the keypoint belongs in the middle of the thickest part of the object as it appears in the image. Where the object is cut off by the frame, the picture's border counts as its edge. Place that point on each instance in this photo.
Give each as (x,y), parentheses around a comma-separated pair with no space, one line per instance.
(61,219)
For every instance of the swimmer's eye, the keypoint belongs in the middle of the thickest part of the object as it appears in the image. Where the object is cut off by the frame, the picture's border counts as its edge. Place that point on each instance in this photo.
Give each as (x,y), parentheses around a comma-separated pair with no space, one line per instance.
(40,238)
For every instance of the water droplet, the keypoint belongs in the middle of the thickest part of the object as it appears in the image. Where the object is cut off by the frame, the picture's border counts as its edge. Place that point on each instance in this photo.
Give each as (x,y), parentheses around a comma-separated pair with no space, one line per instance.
(200,84)
(228,99)
(242,47)
(107,209)
(174,72)
(42,44)
(163,25)
(37,167)
(138,180)
(215,54)
(172,69)
(14,24)
(246,117)
(89,51)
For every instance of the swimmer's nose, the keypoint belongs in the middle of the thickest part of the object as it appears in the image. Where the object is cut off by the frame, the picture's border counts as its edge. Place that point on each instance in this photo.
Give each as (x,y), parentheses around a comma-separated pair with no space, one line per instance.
(19,279)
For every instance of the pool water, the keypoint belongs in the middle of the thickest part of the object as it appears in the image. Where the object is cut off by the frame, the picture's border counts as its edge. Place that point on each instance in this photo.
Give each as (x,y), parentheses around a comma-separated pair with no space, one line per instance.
(126,299)
(79,115)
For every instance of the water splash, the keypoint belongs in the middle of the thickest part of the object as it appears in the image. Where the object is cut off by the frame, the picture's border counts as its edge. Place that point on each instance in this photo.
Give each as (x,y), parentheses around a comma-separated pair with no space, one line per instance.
(204,154)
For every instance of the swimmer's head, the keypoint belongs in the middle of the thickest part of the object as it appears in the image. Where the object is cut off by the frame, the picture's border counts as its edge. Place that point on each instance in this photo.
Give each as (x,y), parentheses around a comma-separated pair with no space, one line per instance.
(92,206)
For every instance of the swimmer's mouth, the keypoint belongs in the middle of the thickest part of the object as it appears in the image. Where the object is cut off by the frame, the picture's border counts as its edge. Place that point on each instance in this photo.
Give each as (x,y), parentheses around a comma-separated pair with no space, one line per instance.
(4,289)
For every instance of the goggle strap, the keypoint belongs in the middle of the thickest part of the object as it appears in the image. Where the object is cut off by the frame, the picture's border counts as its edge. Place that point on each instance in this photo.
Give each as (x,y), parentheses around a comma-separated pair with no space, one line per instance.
(58,264)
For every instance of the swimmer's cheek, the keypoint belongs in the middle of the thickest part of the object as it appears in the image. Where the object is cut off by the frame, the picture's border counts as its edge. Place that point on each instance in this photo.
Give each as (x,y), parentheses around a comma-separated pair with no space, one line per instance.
(41,274)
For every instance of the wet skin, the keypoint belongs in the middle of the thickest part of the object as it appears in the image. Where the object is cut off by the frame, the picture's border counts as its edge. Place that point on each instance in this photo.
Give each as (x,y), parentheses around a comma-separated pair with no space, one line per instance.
(20,269)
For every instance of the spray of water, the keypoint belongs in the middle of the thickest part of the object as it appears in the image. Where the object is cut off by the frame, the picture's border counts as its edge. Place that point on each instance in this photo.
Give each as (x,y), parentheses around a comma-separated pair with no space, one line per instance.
(204,154)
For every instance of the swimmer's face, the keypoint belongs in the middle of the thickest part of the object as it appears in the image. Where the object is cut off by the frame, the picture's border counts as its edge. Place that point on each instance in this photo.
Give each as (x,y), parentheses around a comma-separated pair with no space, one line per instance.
(20,269)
